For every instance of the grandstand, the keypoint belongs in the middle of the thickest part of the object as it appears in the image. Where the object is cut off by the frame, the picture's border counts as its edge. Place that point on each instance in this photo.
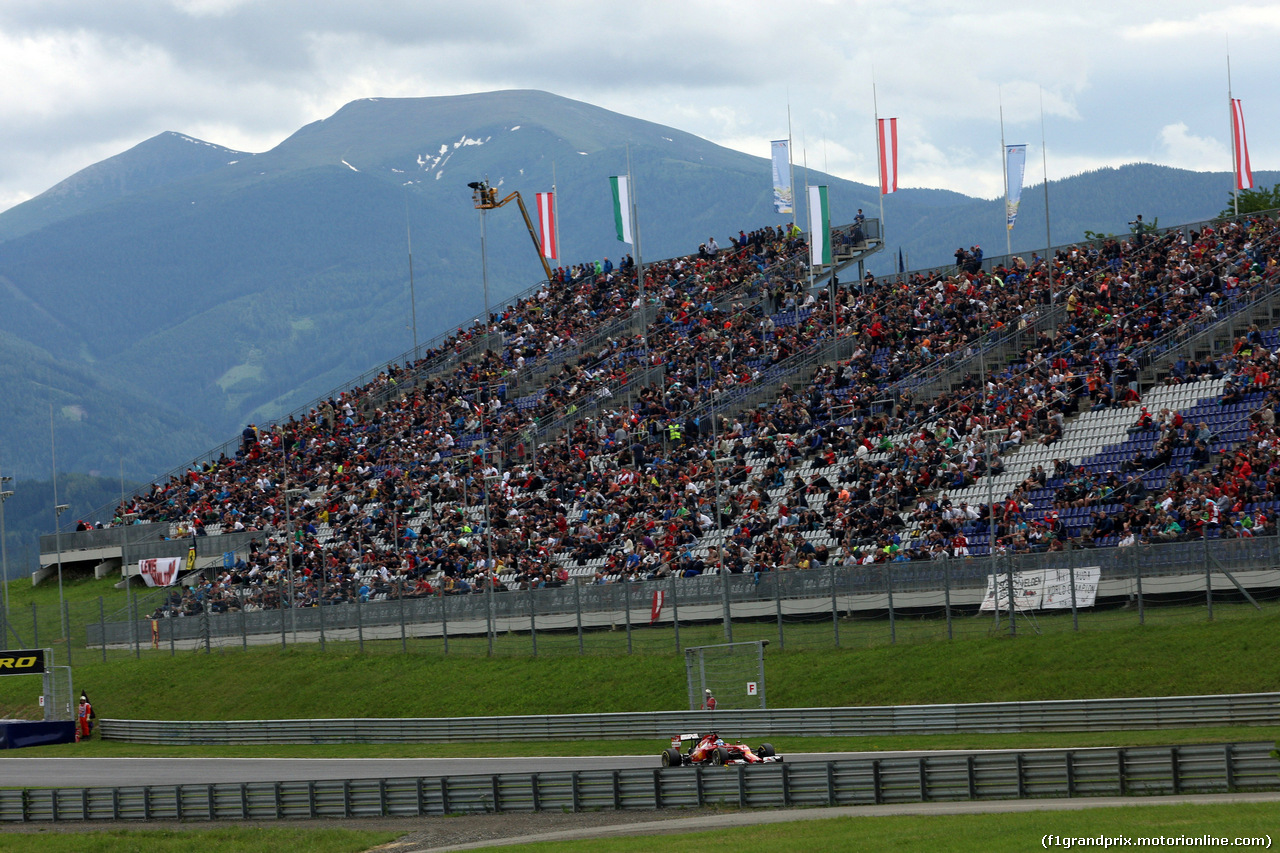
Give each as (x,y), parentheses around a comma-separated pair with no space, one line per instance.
(1110,395)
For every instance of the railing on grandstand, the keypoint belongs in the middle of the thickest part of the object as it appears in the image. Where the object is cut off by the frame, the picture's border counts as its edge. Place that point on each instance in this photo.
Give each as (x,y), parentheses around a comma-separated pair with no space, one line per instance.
(1266,300)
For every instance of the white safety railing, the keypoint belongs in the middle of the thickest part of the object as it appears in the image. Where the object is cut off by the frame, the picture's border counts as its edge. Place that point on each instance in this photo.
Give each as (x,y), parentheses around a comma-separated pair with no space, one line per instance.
(1163,712)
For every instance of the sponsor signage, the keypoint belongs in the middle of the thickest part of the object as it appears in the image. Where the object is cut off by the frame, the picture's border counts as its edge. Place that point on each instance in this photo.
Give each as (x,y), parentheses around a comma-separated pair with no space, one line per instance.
(22,662)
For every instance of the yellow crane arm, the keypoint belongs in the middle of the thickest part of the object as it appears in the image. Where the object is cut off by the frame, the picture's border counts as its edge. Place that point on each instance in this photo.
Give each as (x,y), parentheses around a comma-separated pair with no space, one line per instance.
(486,199)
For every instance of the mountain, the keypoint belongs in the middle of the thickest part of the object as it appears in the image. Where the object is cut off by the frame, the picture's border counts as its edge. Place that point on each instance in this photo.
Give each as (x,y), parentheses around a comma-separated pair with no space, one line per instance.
(166,296)
(160,160)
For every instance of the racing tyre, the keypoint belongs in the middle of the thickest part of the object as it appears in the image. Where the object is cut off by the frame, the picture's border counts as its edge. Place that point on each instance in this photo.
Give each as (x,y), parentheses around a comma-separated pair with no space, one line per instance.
(766,750)
(720,757)
(671,758)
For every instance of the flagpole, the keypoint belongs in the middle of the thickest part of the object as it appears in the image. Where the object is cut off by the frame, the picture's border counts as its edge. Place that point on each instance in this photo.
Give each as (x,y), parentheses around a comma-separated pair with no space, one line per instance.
(1004,169)
(809,210)
(413,302)
(1044,162)
(791,166)
(808,207)
(555,215)
(635,233)
(875,109)
(1235,154)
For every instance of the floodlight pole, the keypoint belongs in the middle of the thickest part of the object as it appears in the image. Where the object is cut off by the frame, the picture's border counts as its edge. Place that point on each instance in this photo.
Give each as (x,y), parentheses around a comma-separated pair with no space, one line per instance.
(489,573)
(288,536)
(413,302)
(484,275)
(5,494)
(58,510)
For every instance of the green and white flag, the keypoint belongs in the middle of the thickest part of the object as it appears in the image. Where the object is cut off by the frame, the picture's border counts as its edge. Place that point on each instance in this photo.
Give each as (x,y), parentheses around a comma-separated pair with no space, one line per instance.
(819,228)
(622,207)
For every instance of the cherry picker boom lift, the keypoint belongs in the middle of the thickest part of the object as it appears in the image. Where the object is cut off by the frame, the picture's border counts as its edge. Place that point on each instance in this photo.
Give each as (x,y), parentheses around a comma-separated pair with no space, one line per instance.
(486,198)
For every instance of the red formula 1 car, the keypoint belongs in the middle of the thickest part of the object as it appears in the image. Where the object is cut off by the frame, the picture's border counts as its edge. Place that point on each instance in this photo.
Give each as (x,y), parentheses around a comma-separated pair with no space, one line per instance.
(711,749)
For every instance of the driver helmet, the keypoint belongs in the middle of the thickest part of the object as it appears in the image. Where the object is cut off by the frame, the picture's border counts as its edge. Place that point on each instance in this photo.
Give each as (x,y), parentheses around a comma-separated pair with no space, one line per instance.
(708,691)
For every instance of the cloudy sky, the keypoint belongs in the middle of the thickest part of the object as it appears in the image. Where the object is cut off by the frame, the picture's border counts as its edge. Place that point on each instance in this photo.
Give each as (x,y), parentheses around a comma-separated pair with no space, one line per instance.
(1120,82)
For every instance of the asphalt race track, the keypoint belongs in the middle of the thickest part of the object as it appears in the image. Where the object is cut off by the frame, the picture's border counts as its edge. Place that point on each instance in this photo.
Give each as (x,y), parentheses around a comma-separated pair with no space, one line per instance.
(116,772)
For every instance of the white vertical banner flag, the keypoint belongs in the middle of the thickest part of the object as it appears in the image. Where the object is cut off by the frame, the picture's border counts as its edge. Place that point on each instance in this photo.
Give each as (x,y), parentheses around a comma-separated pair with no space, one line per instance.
(550,244)
(1015,163)
(621,185)
(1244,173)
(887,131)
(819,228)
(783,200)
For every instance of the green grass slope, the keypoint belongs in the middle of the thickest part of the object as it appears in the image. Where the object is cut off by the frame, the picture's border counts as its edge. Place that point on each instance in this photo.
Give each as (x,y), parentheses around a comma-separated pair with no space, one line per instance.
(1233,655)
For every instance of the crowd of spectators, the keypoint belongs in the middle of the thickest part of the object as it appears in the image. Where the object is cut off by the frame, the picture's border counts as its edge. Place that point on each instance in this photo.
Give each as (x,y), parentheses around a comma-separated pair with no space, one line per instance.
(392,482)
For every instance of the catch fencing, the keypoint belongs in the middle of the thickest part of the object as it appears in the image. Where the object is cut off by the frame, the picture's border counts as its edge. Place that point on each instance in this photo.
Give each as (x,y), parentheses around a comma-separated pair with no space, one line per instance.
(821,607)
(1161,712)
(1146,771)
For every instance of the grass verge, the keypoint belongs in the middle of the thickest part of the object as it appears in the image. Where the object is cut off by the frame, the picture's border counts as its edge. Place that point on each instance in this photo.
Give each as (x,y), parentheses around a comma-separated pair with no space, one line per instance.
(980,833)
(217,839)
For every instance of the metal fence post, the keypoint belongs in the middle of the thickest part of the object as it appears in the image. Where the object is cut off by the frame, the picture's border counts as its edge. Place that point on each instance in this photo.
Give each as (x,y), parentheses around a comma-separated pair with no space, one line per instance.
(533,623)
(835,612)
(444,624)
(728,618)
(284,641)
(404,634)
(675,612)
(1013,612)
(577,604)
(1208,576)
(490,621)
(244,625)
(888,582)
(626,599)
(777,604)
(102,627)
(1075,614)
(208,617)
(320,615)
(946,594)
(360,620)
(1142,612)
(66,620)
(133,613)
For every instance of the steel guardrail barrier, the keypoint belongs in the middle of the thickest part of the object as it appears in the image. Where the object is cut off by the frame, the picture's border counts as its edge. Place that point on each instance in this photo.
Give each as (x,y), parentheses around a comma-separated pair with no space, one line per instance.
(1070,715)
(1142,771)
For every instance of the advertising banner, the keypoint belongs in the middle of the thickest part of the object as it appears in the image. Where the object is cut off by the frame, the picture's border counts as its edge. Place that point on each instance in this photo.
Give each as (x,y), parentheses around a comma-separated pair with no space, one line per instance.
(1043,589)
(160,571)
(22,662)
